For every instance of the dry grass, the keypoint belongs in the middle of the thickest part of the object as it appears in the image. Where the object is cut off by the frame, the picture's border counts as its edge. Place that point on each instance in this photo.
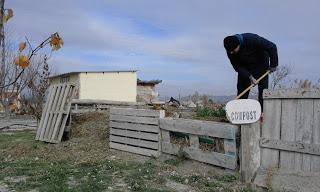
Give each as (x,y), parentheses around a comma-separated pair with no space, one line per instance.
(90,125)
(88,142)
(270,172)
(205,143)
(85,163)
(180,139)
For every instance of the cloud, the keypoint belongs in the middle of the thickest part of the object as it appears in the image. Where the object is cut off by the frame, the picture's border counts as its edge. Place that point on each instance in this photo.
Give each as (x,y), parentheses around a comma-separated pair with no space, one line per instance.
(178,41)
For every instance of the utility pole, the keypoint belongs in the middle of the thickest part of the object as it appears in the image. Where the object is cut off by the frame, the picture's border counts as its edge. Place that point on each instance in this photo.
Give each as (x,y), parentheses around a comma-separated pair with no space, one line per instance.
(1,21)
(3,67)
(2,43)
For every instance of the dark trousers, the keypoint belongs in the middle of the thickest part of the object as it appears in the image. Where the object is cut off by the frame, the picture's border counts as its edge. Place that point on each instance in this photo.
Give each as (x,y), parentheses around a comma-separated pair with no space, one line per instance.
(243,83)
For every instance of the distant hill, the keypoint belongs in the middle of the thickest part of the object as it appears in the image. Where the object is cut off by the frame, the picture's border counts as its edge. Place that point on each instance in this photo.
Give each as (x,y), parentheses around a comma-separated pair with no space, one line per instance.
(222,99)
(217,99)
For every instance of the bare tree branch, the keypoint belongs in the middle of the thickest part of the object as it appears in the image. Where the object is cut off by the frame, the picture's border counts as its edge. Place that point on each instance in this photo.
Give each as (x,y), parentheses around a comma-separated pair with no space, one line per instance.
(279,77)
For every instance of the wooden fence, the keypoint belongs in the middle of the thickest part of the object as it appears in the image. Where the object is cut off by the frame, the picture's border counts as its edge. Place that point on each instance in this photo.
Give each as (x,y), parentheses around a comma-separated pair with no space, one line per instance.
(94,105)
(291,130)
(138,131)
(196,129)
(135,130)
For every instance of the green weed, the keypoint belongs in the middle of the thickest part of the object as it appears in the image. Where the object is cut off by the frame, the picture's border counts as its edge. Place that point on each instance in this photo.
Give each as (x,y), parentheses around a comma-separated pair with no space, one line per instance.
(209,112)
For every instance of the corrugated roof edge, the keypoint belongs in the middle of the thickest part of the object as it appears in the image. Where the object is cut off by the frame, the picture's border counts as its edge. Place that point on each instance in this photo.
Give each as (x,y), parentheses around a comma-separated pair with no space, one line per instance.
(154,82)
(74,72)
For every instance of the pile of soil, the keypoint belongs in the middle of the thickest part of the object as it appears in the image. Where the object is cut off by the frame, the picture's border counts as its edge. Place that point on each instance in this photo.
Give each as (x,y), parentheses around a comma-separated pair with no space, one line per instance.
(94,124)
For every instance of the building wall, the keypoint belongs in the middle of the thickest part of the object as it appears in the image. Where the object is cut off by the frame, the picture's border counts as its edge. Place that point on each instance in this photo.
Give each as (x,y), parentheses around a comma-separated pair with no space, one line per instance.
(114,86)
(146,94)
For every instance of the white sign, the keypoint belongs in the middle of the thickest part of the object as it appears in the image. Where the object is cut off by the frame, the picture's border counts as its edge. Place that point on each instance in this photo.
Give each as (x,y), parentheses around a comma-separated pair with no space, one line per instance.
(243,111)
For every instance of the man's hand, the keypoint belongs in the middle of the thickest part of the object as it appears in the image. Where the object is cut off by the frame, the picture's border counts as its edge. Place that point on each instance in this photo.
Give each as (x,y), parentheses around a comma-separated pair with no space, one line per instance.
(253,80)
(272,69)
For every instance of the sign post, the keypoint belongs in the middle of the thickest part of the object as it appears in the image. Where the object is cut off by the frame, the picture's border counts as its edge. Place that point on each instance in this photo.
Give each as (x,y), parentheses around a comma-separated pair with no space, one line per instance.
(243,111)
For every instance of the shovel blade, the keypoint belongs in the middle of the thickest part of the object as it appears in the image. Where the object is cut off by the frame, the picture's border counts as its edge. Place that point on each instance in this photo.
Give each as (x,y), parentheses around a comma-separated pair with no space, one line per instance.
(243,111)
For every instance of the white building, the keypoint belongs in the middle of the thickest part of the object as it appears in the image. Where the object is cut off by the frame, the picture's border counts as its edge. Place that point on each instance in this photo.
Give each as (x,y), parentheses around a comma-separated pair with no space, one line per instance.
(105,85)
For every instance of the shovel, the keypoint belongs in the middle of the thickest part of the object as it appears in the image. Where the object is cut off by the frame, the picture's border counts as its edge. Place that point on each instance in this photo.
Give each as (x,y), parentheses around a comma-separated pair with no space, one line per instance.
(244,111)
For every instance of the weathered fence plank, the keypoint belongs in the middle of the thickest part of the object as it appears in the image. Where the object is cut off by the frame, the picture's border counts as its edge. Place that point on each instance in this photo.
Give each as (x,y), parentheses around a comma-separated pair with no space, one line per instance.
(291,94)
(199,155)
(106,102)
(165,136)
(302,133)
(44,113)
(46,120)
(305,108)
(94,105)
(132,149)
(230,147)
(53,119)
(293,146)
(134,134)
(194,141)
(288,124)
(136,112)
(66,108)
(271,129)
(250,151)
(134,126)
(132,119)
(315,161)
(196,127)
(282,180)
(135,142)
(62,99)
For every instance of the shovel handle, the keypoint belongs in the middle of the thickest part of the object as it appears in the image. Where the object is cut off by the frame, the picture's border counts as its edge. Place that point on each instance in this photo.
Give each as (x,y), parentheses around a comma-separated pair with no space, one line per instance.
(252,85)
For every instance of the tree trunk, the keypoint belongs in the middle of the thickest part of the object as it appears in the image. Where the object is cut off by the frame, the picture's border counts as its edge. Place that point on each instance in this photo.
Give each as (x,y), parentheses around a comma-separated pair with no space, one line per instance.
(1,21)
(2,41)
(2,72)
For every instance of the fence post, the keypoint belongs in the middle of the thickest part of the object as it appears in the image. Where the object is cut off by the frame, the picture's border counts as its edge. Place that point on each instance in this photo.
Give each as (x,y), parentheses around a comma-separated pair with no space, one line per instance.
(249,151)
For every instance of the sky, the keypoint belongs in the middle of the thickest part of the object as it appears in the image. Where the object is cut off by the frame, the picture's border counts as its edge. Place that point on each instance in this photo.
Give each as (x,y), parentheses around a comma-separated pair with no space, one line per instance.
(179,42)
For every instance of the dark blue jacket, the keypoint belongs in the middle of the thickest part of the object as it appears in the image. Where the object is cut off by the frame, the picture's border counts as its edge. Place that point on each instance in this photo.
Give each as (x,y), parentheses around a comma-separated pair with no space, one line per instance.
(255,56)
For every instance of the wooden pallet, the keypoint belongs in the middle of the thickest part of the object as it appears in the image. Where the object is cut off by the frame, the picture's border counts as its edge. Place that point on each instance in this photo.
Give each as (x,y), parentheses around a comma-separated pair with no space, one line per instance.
(196,129)
(55,113)
(135,131)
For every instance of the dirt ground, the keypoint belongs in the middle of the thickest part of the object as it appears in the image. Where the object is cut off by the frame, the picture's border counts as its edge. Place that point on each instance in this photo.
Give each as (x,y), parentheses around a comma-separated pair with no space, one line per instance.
(85,162)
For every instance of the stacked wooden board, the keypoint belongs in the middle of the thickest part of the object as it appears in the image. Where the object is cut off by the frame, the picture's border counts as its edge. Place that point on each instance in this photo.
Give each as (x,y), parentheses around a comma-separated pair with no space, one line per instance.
(135,130)
(55,113)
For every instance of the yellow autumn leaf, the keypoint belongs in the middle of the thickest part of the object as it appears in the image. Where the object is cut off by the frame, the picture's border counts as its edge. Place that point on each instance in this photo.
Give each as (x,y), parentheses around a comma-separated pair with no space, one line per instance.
(7,15)
(56,41)
(22,61)
(10,13)
(22,45)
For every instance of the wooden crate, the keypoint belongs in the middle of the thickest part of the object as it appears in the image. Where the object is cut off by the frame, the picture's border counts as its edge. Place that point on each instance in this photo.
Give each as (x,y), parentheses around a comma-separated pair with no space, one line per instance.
(135,130)
(196,129)
(55,113)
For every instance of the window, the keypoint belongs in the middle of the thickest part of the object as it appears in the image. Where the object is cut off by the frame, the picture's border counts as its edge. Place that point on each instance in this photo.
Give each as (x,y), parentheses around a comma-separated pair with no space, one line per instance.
(65,79)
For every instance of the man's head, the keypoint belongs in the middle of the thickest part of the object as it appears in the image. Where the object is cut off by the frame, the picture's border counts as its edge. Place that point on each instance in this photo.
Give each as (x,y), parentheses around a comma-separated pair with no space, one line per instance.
(231,44)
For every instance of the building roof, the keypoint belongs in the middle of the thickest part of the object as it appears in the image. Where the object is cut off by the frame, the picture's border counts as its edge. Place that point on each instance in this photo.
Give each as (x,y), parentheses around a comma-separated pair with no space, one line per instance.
(75,72)
(150,82)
